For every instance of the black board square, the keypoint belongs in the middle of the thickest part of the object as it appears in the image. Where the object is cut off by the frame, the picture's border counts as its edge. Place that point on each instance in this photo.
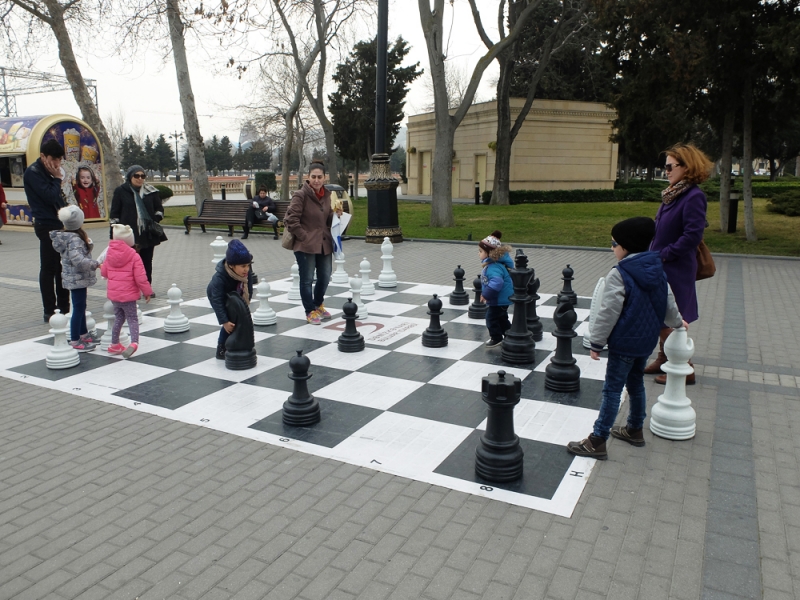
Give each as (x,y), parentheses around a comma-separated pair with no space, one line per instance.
(421,312)
(89,361)
(441,403)
(338,421)
(195,330)
(401,298)
(278,378)
(174,390)
(466,331)
(176,357)
(494,357)
(543,466)
(280,346)
(582,302)
(281,325)
(408,366)
(589,396)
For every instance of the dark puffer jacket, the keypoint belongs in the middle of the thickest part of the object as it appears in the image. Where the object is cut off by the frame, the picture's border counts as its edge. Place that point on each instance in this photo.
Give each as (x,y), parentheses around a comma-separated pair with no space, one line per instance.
(220,286)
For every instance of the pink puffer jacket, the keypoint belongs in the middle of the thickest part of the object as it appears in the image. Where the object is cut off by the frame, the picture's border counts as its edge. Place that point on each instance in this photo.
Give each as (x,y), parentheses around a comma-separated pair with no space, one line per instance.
(123,268)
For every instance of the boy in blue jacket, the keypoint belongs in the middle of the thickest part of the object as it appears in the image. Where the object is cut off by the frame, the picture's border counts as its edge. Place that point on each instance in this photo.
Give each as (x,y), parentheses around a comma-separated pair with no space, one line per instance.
(636,303)
(496,286)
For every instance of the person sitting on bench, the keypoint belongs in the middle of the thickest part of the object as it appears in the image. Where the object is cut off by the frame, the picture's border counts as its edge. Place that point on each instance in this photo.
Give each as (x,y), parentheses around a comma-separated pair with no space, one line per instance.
(262,209)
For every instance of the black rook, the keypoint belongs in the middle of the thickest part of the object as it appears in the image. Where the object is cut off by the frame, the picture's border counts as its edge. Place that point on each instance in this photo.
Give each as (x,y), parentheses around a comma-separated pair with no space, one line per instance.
(498,456)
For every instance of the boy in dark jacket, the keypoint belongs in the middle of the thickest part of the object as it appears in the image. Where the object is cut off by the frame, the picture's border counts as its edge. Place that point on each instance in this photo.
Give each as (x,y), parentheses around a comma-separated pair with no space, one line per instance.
(636,302)
(496,285)
(233,274)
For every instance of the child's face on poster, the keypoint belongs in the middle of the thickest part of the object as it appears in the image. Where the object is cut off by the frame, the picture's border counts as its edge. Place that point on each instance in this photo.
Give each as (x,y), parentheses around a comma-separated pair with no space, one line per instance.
(85,178)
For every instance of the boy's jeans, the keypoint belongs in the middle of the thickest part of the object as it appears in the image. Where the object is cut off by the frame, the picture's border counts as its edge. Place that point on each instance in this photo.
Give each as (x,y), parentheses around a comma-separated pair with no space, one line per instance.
(497,321)
(622,371)
(313,297)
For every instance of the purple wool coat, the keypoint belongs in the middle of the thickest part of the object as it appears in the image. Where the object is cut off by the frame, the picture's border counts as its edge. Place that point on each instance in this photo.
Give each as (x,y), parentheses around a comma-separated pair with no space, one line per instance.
(679,230)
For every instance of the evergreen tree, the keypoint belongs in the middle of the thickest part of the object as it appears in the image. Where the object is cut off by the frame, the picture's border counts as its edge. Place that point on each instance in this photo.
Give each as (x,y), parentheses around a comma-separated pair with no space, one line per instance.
(149,159)
(213,155)
(165,156)
(260,156)
(225,157)
(130,153)
(185,162)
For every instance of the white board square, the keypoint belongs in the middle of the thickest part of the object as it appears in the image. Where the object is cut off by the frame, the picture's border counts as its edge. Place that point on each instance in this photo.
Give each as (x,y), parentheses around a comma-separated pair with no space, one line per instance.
(372,391)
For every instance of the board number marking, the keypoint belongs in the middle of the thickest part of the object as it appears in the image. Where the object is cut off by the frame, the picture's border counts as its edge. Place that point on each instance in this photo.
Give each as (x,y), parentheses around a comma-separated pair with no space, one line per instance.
(576,474)
(487,488)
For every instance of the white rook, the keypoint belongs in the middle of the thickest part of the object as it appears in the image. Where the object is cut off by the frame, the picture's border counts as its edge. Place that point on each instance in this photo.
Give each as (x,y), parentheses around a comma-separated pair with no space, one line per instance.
(387,278)
(672,416)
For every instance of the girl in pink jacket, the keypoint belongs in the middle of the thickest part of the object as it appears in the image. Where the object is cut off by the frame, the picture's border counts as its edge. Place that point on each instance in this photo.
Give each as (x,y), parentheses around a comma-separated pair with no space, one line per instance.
(127,281)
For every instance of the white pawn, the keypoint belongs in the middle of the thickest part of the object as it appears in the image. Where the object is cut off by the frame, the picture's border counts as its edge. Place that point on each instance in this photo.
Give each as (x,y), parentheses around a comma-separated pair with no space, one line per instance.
(597,297)
(387,278)
(367,287)
(62,356)
(219,246)
(176,321)
(294,291)
(672,416)
(264,314)
(91,325)
(339,275)
(355,290)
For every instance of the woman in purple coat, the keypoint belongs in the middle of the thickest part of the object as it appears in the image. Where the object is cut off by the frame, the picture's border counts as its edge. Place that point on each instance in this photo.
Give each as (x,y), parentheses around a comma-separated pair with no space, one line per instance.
(680,222)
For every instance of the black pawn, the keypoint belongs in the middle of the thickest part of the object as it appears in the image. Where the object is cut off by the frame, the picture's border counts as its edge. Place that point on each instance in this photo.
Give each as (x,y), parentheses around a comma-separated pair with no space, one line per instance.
(567,276)
(533,321)
(350,340)
(240,352)
(498,457)
(477,310)
(459,297)
(301,409)
(518,344)
(434,336)
(562,374)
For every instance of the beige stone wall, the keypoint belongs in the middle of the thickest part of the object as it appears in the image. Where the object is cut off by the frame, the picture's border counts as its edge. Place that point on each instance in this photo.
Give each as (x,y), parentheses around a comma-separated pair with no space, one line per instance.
(562,145)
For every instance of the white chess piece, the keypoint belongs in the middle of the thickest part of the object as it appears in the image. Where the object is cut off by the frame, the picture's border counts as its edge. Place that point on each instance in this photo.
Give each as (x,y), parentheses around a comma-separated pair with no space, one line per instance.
(264,314)
(355,290)
(593,310)
(219,246)
(672,416)
(91,324)
(176,321)
(340,275)
(294,290)
(62,356)
(367,287)
(387,278)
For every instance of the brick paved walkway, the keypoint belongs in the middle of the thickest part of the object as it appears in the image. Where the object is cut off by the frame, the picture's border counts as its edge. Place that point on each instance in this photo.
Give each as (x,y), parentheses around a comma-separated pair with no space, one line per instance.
(97,501)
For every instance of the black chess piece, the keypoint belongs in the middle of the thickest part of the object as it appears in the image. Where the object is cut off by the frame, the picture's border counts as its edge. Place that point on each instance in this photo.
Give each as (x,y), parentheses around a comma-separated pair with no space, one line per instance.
(477,310)
(562,374)
(566,291)
(533,321)
(434,336)
(518,344)
(240,352)
(499,457)
(301,409)
(459,297)
(350,340)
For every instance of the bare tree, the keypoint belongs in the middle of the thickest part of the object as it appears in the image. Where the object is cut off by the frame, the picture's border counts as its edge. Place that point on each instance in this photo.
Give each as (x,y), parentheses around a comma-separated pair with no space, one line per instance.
(456,81)
(115,124)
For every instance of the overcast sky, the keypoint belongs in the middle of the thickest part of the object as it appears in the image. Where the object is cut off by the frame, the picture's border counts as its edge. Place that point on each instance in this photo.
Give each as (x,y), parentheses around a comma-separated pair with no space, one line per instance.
(146,93)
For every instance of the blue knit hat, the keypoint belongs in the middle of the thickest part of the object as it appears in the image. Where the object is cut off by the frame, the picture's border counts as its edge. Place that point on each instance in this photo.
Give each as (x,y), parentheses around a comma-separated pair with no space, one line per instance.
(237,254)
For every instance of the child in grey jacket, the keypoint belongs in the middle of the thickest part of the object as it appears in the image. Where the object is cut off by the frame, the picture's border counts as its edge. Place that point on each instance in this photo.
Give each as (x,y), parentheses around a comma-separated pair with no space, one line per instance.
(77,272)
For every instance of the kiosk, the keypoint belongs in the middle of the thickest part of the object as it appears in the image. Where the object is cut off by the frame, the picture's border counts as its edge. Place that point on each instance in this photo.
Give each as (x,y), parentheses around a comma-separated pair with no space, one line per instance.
(21,139)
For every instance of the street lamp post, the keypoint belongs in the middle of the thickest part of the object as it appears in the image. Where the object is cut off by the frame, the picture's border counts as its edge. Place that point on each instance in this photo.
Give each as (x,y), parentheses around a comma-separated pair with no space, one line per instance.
(177,136)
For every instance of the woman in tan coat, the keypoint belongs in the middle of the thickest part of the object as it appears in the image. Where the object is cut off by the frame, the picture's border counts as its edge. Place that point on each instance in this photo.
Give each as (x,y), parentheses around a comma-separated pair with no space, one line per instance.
(308,219)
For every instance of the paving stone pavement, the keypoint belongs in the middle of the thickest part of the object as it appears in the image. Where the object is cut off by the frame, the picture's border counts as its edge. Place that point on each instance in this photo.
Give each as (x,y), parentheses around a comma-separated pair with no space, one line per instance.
(97,501)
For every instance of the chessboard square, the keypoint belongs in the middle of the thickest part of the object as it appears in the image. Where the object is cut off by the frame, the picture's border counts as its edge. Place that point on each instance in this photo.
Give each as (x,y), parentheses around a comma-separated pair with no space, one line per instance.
(589,396)
(584,303)
(494,357)
(445,404)
(474,332)
(111,378)
(206,319)
(332,357)
(551,423)
(195,330)
(455,349)
(283,285)
(149,323)
(22,353)
(546,299)
(329,332)
(203,302)
(395,329)
(547,310)
(296,312)
(370,390)
(89,361)
(427,289)
(191,312)
(590,369)
(467,320)
(278,379)
(543,467)
(285,347)
(215,368)
(338,421)
(421,312)
(174,390)
(402,442)
(408,366)
(392,309)
(378,295)
(469,375)
(284,299)
(233,408)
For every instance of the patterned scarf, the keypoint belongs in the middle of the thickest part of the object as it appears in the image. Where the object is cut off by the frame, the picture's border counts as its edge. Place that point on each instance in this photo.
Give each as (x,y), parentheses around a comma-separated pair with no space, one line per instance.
(673,191)
(242,287)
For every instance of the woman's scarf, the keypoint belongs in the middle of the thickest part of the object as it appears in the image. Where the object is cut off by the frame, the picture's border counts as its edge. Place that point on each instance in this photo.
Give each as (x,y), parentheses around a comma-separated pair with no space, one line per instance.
(673,191)
(242,279)
(142,216)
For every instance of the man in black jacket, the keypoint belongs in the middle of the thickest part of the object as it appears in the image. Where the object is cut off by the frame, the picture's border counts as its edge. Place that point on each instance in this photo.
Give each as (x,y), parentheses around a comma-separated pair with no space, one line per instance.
(42,181)
(262,209)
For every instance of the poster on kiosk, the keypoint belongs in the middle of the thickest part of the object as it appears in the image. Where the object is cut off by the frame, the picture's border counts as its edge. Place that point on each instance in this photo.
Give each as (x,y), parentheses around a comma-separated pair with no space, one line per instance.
(83,184)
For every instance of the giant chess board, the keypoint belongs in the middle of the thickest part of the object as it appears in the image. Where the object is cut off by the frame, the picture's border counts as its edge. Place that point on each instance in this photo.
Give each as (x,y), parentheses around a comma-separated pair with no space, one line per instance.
(396,407)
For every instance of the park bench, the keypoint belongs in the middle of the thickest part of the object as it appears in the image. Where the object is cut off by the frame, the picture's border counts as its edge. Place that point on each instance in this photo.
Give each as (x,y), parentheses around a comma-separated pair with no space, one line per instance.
(230,213)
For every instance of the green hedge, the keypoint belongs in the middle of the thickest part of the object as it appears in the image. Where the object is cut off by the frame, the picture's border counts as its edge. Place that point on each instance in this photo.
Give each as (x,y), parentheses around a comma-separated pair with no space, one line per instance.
(165,192)
(786,203)
(266,179)
(570,196)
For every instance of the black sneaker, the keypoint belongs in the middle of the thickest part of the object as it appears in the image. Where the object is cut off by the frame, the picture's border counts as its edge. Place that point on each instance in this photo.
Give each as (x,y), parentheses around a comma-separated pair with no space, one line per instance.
(591,447)
(221,351)
(632,436)
(493,343)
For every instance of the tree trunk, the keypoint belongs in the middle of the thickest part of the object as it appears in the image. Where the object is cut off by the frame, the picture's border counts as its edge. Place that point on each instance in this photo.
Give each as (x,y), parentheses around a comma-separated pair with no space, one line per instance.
(726,164)
(502,151)
(89,112)
(773,170)
(626,170)
(747,160)
(197,159)
(355,189)
(286,154)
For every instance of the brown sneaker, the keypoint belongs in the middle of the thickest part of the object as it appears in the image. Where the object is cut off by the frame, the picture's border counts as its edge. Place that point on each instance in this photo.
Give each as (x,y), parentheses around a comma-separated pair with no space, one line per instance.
(593,447)
(632,436)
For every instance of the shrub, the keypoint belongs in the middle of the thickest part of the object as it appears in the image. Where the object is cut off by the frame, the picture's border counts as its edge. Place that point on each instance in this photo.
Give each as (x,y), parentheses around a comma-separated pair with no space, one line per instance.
(786,203)
(267,179)
(165,192)
(646,194)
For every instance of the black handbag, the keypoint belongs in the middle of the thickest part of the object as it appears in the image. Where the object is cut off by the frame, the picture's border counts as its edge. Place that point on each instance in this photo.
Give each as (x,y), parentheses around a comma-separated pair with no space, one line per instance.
(153,234)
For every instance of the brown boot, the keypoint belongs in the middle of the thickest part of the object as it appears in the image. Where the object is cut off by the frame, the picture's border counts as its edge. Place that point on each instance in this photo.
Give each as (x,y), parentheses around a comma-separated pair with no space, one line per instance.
(690,379)
(654,368)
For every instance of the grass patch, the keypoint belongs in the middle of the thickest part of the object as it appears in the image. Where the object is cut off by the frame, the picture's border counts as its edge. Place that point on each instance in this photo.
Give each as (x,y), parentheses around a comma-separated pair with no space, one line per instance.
(585,225)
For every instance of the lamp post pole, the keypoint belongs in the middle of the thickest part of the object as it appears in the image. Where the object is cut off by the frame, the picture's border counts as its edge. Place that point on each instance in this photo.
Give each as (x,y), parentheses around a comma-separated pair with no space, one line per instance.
(177,136)
(382,220)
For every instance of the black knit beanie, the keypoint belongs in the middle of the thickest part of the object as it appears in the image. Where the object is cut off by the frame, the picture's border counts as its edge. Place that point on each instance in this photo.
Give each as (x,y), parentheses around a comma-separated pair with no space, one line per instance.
(634,234)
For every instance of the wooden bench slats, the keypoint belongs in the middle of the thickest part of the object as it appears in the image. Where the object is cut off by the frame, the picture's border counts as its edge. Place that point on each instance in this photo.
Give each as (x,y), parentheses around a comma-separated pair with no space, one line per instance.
(230,213)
